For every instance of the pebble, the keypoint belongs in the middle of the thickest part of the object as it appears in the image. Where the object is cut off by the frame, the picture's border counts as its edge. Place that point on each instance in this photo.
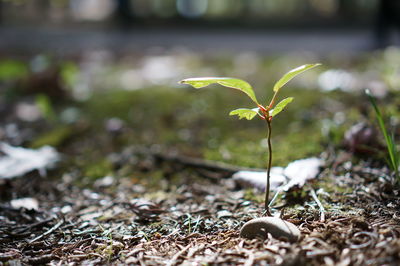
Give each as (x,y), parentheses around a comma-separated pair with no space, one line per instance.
(224,214)
(278,228)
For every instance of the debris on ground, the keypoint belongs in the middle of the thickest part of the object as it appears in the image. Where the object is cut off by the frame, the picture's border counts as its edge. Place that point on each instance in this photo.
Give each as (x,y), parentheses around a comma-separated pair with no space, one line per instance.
(297,174)
(18,161)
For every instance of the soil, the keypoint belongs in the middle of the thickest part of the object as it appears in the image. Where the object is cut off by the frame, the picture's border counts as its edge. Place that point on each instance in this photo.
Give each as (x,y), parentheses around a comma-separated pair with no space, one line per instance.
(105,203)
(121,221)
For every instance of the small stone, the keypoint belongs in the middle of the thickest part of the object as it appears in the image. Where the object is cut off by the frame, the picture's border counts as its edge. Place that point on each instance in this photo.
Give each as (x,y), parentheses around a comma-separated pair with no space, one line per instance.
(224,214)
(278,228)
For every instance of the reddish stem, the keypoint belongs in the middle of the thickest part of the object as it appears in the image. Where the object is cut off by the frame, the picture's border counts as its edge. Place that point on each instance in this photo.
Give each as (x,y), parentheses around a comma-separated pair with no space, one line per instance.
(267,211)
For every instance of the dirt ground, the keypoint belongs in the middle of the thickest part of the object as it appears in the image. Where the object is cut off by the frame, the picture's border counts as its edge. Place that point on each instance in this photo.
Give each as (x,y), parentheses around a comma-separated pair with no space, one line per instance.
(107,203)
(198,222)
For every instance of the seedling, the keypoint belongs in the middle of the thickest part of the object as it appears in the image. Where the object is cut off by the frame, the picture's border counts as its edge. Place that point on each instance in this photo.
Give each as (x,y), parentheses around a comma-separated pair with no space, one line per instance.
(394,157)
(265,112)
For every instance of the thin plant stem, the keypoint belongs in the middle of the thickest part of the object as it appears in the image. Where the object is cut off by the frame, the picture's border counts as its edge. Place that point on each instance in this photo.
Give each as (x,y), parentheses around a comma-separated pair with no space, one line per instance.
(269,167)
(272,102)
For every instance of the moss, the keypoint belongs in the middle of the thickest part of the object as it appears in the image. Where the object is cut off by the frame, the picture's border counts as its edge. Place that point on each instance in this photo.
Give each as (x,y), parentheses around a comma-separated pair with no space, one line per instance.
(327,184)
(12,70)
(297,145)
(98,169)
(55,137)
(156,182)
(249,194)
(199,119)
(197,122)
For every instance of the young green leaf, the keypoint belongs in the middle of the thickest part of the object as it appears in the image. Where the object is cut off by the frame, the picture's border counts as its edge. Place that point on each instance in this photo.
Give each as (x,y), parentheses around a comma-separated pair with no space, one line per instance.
(291,74)
(237,84)
(280,106)
(245,113)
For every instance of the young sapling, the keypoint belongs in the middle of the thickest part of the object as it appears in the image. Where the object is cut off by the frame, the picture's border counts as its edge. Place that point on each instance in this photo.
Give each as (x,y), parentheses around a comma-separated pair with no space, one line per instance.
(265,112)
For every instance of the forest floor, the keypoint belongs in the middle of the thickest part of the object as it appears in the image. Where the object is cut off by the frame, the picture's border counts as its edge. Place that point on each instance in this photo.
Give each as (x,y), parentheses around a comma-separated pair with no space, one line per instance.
(120,221)
(117,197)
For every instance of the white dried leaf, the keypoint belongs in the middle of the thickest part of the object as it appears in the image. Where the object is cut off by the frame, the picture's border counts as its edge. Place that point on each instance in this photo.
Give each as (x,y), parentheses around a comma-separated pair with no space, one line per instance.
(258,179)
(27,203)
(300,171)
(19,161)
(297,173)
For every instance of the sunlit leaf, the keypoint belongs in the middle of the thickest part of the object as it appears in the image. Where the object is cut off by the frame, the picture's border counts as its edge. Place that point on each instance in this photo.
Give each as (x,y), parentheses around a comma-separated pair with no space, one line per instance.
(280,106)
(227,82)
(291,74)
(245,113)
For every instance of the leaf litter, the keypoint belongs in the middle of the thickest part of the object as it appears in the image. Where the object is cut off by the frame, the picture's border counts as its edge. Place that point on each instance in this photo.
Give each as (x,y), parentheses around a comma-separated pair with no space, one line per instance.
(296,174)
(119,221)
(19,161)
(194,214)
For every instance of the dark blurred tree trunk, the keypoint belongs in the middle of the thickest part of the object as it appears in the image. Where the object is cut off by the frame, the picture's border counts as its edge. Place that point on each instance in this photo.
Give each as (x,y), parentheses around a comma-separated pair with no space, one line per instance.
(1,12)
(386,19)
(124,13)
(347,10)
(43,9)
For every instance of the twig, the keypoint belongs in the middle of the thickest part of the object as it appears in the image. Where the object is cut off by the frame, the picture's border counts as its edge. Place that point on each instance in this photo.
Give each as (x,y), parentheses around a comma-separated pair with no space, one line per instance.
(41,260)
(51,230)
(174,259)
(196,162)
(194,250)
(321,208)
(204,164)
(250,258)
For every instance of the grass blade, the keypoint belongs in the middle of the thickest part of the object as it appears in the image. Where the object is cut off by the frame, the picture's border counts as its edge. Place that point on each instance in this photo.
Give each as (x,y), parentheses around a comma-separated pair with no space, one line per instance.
(389,139)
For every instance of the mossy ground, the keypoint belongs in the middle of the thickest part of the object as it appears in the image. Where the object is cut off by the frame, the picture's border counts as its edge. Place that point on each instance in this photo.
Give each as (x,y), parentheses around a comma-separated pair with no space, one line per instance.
(115,205)
(197,122)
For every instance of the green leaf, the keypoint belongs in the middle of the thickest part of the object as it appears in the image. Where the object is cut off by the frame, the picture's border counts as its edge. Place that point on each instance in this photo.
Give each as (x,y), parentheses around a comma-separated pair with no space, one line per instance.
(245,113)
(237,84)
(291,74)
(280,106)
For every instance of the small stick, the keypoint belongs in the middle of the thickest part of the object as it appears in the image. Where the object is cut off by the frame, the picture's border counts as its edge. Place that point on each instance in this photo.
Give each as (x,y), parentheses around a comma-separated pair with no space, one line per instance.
(178,254)
(250,258)
(197,162)
(48,232)
(321,208)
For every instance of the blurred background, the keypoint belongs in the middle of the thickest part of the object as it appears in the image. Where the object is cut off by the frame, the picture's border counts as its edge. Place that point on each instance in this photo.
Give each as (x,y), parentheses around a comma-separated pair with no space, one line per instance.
(259,13)
(255,24)
(76,73)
